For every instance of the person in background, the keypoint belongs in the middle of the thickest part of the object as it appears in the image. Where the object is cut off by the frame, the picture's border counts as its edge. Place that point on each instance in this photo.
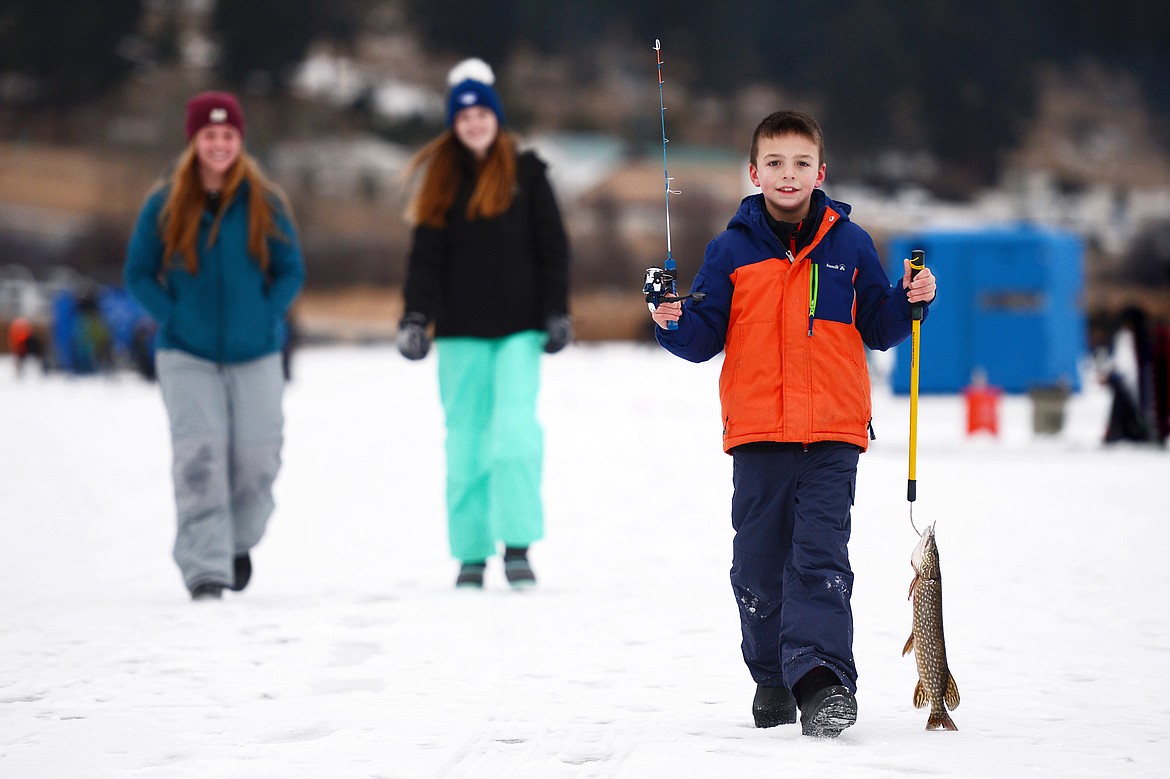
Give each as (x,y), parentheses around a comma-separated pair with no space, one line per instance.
(489,269)
(142,347)
(1160,346)
(794,291)
(1127,368)
(25,343)
(215,260)
(93,348)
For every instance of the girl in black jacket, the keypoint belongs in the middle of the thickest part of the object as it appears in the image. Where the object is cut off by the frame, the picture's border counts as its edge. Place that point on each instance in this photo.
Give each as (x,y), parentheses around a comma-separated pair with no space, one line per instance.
(489,268)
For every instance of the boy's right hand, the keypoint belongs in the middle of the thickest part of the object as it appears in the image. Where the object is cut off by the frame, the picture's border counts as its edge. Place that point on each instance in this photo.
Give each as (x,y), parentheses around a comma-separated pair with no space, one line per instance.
(666,312)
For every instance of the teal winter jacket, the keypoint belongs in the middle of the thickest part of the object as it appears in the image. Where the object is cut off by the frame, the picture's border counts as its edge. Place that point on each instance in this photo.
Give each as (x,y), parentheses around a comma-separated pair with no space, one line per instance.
(229,310)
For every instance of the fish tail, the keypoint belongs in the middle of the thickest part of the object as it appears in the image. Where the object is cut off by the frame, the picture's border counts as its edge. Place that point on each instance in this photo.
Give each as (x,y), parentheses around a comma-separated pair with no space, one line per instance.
(940,720)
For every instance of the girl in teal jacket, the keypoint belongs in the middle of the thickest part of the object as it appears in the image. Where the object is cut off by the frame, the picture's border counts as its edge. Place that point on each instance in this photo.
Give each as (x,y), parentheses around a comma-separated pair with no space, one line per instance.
(214,258)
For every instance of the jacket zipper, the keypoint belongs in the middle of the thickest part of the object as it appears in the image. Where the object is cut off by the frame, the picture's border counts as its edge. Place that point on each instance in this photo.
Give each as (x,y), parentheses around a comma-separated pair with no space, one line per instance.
(814,283)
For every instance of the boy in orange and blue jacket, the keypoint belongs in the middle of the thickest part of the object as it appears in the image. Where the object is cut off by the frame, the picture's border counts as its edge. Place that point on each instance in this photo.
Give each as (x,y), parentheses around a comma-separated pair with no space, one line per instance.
(793,292)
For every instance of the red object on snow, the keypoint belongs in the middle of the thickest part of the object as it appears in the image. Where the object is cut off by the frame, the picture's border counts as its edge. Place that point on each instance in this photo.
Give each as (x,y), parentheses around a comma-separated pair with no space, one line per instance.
(982,409)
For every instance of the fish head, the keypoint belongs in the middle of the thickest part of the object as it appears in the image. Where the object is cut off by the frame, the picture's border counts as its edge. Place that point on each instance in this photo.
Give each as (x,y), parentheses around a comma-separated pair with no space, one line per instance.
(924,558)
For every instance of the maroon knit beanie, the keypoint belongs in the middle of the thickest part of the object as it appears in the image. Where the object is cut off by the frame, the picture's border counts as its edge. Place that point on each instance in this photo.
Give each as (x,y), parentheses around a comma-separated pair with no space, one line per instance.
(213,108)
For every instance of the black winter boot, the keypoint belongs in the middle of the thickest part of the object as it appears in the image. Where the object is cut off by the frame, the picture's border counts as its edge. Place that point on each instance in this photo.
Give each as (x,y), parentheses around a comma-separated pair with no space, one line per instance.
(517,569)
(207,591)
(827,707)
(470,576)
(773,706)
(242,571)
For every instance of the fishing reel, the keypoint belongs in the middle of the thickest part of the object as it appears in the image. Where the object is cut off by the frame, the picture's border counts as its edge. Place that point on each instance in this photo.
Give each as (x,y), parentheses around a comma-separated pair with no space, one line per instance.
(659,287)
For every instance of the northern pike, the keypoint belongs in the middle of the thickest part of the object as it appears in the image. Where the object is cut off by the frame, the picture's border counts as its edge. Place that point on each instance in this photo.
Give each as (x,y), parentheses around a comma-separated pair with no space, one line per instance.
(935,685)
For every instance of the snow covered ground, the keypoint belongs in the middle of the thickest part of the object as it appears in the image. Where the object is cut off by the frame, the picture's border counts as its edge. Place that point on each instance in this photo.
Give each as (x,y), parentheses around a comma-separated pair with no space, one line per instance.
(352,655)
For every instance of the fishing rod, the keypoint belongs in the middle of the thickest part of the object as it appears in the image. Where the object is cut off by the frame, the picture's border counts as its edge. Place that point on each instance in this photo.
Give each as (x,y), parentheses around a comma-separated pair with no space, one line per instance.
(661,284)
(917,263)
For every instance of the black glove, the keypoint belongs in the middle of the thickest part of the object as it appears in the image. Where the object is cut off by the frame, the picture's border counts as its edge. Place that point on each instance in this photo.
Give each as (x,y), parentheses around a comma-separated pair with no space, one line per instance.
(413,342)
(560,332)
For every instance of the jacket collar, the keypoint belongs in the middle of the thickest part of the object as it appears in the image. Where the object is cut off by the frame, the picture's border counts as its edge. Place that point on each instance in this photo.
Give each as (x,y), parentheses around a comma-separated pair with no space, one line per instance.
(751,216)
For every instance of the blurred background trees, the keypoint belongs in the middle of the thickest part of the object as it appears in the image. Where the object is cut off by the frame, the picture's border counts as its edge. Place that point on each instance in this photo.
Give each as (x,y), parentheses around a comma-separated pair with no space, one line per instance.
(895,83)
(951,78)
(263,41)
(1053,111)
(66,52)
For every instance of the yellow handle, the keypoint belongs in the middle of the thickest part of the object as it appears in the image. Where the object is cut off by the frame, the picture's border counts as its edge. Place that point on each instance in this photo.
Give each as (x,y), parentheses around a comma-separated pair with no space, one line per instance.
(917,263)
(911,482)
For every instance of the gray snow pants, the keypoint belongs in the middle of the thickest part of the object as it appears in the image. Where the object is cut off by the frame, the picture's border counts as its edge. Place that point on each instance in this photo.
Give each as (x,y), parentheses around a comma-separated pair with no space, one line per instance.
(226,434)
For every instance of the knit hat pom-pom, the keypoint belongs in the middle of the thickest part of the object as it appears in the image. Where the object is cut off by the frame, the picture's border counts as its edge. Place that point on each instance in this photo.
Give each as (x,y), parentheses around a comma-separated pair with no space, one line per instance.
(473,69)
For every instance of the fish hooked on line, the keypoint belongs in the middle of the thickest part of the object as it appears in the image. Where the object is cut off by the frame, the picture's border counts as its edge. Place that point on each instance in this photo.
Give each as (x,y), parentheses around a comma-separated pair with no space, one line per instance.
(936,686)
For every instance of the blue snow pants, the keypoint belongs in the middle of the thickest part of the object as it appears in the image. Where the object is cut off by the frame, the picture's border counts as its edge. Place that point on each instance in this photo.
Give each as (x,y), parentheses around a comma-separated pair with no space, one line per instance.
(790,565)
(495,445)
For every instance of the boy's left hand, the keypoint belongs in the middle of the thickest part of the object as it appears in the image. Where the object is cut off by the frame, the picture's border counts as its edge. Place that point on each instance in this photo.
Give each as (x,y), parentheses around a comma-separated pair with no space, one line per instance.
(923,288)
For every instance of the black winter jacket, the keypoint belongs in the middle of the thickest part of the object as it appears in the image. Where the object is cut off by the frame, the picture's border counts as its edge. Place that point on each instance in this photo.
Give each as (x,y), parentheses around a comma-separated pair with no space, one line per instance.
(488,278)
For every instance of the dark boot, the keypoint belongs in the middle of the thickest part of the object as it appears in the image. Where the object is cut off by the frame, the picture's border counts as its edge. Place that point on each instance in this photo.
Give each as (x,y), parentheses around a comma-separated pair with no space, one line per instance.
(470,575)
(827,707)
(773,706)
(517,569)
(242,570)
(207,591)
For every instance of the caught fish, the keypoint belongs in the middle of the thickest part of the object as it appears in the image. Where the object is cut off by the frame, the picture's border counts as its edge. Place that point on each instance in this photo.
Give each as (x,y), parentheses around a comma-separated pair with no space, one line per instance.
(935,685)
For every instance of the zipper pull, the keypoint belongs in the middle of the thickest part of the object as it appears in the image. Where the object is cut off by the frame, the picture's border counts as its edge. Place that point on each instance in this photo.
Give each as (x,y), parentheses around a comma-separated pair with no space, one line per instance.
(788,254)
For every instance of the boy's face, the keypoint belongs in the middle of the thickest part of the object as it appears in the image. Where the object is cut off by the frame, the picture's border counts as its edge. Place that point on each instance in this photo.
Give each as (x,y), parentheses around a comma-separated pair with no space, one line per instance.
(787,169)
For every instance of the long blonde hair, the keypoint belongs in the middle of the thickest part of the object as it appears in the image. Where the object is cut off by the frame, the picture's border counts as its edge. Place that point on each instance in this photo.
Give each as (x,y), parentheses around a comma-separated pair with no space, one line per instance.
(180,215)
(443,170)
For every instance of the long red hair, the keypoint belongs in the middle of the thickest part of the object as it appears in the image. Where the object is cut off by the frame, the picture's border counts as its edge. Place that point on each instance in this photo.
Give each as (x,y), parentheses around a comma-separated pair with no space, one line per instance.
(442,167)
(180,215)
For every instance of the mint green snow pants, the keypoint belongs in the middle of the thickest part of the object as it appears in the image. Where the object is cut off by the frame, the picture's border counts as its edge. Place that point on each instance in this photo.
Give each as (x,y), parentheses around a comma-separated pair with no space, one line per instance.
(495,446)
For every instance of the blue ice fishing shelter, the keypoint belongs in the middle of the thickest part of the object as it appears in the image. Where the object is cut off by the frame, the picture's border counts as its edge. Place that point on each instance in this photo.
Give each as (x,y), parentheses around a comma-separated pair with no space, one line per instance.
(1009,303)
(64,324)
